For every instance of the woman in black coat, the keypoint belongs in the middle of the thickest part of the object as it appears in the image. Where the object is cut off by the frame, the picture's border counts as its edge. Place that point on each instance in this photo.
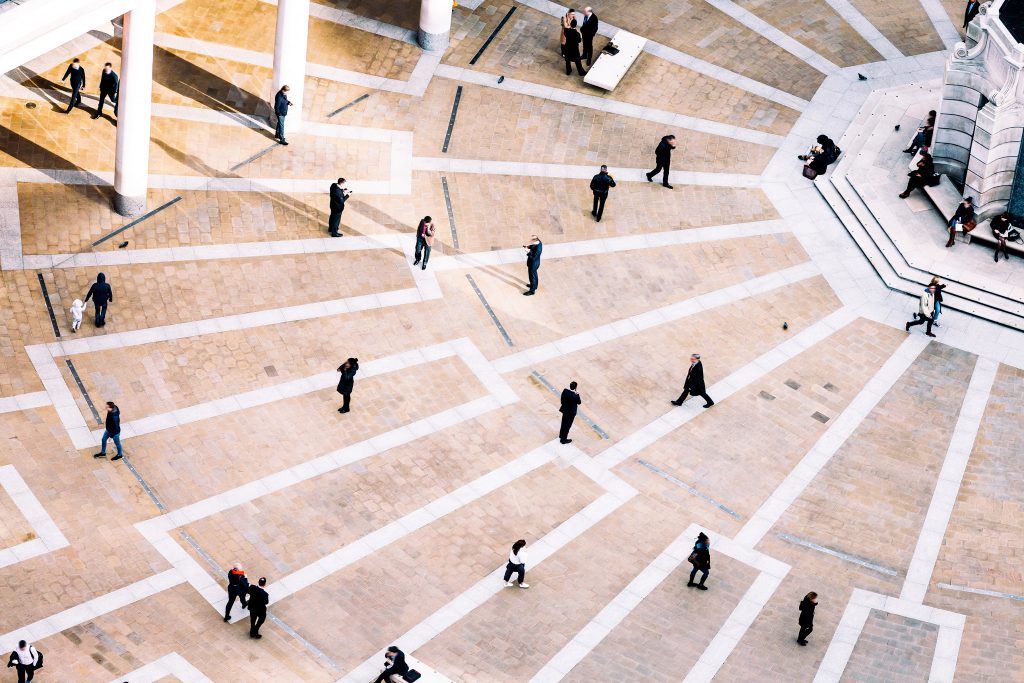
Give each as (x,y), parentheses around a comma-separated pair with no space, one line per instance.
(700,558)
(924,175)
(807,606)
(348,372)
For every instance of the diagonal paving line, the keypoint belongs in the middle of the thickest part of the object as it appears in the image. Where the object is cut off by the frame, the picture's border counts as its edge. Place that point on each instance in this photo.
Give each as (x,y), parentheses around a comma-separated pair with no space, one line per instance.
(490,311)
(682,484)
(85,394)
(590,423)
(487,43)
(49,306)
(451,121)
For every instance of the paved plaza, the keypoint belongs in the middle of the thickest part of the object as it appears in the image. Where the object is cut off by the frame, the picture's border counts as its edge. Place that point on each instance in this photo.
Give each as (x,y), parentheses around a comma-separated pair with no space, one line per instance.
(844,456)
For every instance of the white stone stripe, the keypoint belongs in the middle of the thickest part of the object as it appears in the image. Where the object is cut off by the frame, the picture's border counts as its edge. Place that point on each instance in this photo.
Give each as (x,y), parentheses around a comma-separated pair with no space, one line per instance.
(352,20)
(10,220)
(170,665)
(831,441)
(922,564)
(763,28)
(940,20)
(605,104)
(91,609)
(491,585)
(36,399)
(48,535)
(656,317)
(865,28)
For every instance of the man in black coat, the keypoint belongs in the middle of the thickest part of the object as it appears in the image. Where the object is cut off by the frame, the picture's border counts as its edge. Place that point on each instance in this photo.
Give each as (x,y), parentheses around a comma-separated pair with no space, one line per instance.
(281,104)
(77,75)
(599,185)
(694,385)
(587,31)
(663,155)
(339,194)
(258,601)
(101,294)
(395,666)
(972,11)
(348,371)
(109,85)
(571,50)
(111,430)
(533,251)
(570,404)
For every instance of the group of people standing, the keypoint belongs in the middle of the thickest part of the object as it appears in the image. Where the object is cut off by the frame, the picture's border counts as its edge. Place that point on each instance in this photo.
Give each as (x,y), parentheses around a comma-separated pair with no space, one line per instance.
(576,41)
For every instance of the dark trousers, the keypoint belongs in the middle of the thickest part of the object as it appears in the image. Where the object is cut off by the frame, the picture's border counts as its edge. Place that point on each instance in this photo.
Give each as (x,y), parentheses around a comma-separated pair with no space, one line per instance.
(1001,246)
(599,200)
(664,173)
(519,569)
(588,49)
(703,577)
(334,222)
(256,619)
(25,673)
(422,248)
(346,398)
(686,392)
(567,419)
(534,281)
(279,132)
(574,59)
(915,181)
(76,98)
(101,314)
(232,594)
(113,100)
(921,320)
(804,632)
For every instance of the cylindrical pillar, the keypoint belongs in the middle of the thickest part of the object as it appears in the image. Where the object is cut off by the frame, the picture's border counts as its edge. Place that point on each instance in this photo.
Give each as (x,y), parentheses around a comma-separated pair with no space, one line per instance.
(435,23)
(135,95)
(290,56)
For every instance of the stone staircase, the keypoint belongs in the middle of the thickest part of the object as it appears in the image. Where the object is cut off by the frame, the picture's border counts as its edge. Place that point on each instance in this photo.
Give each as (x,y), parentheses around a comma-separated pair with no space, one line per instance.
(848,190)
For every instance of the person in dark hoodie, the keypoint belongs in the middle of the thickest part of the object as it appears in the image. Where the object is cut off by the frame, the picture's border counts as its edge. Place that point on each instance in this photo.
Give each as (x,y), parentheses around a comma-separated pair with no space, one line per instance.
(238,587)
(807,606)
(348,371)
(101,294)
(395,666)
(700,558)
(111,430)
(109,86)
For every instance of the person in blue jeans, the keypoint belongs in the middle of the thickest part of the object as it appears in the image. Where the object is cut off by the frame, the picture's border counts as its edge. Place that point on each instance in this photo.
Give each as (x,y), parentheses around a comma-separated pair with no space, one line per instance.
(112,430)
(281,104)
(938,300)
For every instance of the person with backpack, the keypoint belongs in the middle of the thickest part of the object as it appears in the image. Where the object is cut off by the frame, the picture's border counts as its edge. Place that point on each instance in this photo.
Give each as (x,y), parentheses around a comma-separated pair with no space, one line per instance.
(700,558)
(238,587)
(599,185)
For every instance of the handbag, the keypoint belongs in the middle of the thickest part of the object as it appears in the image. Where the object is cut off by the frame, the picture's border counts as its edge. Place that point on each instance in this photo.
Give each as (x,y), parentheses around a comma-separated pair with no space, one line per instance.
(810,173)
(970,225)
(692,559)
(411,675)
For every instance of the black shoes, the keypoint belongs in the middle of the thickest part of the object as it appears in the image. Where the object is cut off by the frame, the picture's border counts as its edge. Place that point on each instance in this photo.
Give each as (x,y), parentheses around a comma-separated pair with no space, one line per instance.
(528,293)
(117,457)
(709,404)
(337,234)
(343,410)
(929,334)
(227,619)
(416,262)
(701,587)
(804,642)
(99,455)
(676,403)
(649,179)
(565,441)
(666,185)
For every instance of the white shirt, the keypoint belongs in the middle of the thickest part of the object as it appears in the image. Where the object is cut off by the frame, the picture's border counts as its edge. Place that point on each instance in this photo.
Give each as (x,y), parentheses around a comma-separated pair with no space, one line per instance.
(514,558)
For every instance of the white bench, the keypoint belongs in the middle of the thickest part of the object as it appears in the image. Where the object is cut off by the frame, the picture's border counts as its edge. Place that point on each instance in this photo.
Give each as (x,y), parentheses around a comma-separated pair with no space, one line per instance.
(607,70)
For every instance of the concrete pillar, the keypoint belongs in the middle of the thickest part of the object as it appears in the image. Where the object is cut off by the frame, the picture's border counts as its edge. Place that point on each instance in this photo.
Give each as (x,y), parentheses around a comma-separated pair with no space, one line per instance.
(131,162)
(435,23)
(290,56)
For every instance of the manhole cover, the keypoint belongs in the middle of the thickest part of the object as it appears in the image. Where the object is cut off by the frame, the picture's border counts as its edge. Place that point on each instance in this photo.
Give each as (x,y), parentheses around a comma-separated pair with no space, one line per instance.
(30,105)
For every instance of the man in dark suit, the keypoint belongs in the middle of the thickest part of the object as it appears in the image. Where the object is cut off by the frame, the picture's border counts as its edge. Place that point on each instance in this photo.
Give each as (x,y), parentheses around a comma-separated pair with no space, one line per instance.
(533,250)
(77,75)
(258,601)
(281,104)
(587,31)
(570,404)
(339,194)
(694,384)
(972,11)
(571,50)
(599,185)
(395,666)
(109,85)
(663,155)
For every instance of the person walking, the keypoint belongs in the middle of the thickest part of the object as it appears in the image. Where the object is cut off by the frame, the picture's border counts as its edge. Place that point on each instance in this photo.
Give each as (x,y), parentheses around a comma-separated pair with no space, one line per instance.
(571,50)
(238,586)
(111,430)
(281,104)
(77,75)
(339,195)
(570,404)
(424,240)
(533,252)
(516,566)
(973,7)
(109,86)
(77,311)
(1000,230)
(962,219)
(938,300)
(694,384)
(922,177)
(101,295)
(700,558)
(925,311)
(807,606)
(599,185)
(587,31)
(395,667)
(348,371)
(27,659)
(663,157)
(258,601)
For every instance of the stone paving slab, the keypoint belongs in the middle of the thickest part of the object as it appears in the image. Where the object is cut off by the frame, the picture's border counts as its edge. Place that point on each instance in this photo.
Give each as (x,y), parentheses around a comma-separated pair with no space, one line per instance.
(905,24)
(892,648)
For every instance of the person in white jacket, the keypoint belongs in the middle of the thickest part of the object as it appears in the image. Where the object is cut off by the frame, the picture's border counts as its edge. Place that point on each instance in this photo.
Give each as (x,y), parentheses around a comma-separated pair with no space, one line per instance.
(77,309)
(516,565)
(925,311)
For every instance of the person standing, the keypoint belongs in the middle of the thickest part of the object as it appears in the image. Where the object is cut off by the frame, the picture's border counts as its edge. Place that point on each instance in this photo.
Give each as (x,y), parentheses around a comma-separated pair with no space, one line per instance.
(587,31)
(516,566)
(281,104)
(109,86)
(600,184)
(238,586)
(258,601)
(938,299)
(694,384)
(533,252)
(1000,230)
(101,294)
(570,404)
(77,75)
(111,430)
(973,6)
(339,195)
(395,666)
(563,25)
(27,659)
(807,606)
(964,218)
(571,50)
(348,371)
(663,157)
(700,558)
(925,311)
(424,240)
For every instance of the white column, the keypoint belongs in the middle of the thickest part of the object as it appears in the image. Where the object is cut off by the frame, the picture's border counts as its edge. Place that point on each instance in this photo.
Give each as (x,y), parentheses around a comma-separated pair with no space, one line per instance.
(435,23)
(131,164)
(290,56)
